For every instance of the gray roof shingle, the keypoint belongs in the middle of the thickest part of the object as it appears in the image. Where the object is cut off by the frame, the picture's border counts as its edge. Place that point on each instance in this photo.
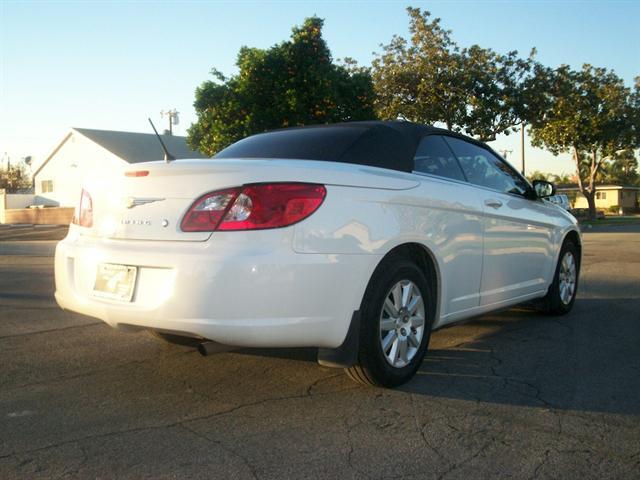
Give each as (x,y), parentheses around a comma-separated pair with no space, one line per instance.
(139,147)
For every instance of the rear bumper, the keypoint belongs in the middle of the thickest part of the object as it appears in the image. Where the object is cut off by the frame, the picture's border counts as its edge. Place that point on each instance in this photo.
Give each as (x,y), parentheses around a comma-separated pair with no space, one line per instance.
(248,289)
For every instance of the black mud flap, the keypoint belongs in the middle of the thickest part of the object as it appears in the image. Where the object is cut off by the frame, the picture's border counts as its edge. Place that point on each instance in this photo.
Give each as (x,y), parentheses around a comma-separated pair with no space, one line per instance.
(345,355)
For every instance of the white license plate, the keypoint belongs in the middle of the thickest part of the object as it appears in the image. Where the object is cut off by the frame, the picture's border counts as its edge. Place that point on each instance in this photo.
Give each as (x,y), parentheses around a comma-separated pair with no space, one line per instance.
(116,282)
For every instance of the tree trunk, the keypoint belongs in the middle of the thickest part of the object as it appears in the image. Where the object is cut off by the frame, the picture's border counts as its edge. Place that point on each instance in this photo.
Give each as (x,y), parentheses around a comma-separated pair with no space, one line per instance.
(591,200)
(589,191)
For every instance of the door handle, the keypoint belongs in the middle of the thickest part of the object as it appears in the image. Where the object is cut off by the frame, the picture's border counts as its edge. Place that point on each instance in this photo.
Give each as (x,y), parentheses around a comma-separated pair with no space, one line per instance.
(493,203)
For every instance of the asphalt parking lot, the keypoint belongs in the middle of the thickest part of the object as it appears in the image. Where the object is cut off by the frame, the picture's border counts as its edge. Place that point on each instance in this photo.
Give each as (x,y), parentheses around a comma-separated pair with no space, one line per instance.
(32,232)
(515,395)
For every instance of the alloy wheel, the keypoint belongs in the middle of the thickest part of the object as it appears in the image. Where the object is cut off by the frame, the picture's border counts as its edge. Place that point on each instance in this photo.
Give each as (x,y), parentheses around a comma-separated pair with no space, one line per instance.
(567,278)
(402,323)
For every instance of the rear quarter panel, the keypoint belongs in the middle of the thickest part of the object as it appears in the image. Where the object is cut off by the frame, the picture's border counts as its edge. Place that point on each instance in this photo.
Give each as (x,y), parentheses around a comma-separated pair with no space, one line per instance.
(444,217)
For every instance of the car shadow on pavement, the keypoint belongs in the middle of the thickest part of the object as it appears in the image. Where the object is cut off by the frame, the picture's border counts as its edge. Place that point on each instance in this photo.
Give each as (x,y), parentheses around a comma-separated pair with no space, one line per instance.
(588,360)
(299,354)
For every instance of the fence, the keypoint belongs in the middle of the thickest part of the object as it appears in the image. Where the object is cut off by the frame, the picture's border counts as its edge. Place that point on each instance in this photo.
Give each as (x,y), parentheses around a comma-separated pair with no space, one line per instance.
(42,216)
(14,209)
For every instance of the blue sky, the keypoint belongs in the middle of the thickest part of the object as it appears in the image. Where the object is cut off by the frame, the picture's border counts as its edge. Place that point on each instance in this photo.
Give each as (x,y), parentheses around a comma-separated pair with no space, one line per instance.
(112,64)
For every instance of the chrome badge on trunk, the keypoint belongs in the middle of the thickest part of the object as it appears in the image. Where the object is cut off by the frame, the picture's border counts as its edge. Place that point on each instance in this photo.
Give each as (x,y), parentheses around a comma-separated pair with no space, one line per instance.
(131,202)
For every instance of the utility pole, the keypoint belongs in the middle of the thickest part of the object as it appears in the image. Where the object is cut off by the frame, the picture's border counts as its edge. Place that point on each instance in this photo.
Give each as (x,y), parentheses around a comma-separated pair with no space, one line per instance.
(505,153)
(522,147)
(9,174)
(173,118)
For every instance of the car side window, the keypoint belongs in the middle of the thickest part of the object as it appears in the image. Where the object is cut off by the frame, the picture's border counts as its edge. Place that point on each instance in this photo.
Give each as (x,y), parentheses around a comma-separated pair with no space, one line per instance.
(434,157)
(485,169)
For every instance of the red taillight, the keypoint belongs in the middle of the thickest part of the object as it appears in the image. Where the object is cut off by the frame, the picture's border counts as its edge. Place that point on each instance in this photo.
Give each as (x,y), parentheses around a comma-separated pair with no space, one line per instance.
(207,212)
(254,207)
(137,173)
(84,217)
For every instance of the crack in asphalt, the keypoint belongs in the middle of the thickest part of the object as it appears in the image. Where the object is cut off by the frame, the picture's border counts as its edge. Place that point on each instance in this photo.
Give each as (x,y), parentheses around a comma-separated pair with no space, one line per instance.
(351,450)
(61,329)
(233,453)
(540,465)
(96,371)
(172,424)
(538,394)
(68,471)
(88,437)
(420,428)
(466,460)
(506,380)
(568,328)
(320,380)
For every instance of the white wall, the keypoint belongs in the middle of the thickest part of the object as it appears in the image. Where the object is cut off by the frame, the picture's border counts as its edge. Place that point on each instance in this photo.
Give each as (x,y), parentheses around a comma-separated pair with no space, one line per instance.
(19,200)
(78,160)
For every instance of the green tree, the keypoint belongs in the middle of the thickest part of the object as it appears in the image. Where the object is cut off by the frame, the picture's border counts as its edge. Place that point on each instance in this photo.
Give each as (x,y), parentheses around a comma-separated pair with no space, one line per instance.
(623,169)
(634,111)
(429,79)
(538,175)
(14,178)
(562,179)
(589,113)
(292,83)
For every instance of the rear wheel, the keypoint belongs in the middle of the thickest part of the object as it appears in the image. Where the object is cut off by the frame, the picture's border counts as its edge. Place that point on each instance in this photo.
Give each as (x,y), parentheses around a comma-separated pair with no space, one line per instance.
(562,292)
(396,317)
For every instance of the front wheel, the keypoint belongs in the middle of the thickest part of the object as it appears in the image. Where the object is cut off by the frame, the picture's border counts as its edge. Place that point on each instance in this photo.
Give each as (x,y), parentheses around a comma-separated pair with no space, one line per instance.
(396,317)
(562,292)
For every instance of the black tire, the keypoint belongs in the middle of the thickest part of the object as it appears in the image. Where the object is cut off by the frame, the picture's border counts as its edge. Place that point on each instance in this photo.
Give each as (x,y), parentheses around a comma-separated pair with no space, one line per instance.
(175,339)
(372,366)
(553,303)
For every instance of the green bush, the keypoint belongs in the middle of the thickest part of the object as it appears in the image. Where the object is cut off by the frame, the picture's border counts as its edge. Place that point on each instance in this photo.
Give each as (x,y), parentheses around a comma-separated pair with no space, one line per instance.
(614,209)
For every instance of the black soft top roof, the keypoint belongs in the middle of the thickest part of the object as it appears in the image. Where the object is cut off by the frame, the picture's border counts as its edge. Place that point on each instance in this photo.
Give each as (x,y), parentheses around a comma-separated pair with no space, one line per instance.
(378,144)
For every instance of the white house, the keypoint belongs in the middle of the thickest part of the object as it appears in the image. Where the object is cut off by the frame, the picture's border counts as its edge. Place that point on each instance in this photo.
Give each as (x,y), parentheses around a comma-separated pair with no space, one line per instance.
(84,152)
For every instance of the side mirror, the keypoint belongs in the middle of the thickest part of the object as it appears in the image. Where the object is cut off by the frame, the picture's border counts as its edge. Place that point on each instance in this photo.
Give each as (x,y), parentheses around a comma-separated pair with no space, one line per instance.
(543,188)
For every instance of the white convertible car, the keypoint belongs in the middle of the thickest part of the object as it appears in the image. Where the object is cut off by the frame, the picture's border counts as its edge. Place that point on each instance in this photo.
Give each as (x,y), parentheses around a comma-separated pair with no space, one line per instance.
(359,239)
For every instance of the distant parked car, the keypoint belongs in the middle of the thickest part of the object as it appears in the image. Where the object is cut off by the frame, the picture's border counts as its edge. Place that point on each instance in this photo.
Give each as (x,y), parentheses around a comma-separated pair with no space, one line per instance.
(357,238)
(561,200)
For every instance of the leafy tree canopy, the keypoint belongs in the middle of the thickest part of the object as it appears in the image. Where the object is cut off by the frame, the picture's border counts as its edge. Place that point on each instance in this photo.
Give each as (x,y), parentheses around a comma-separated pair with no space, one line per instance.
(15,178)
(590,113)
(561,179)
(429,79)
(538,175)
(292,83)
(622,169)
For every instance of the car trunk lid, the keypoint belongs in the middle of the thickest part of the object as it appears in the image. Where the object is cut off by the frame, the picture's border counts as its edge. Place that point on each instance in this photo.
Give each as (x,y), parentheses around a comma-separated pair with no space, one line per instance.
(147,201)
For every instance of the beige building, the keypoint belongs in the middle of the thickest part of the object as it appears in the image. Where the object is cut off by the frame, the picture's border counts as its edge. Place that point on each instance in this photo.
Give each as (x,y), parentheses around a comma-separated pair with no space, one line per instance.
(606,196)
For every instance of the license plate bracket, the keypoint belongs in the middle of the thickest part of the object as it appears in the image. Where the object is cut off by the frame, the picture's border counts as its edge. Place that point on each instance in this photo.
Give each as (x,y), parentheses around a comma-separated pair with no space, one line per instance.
(115,281)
